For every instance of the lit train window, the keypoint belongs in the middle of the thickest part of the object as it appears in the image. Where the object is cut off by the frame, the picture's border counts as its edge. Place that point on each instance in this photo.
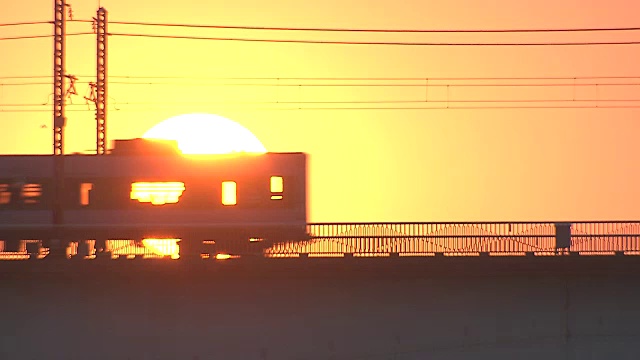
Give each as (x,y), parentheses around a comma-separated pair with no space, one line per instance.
(31,193)
(277,187)
(5,195)
(229,193)
(85,188)
(157,193)
(20,193)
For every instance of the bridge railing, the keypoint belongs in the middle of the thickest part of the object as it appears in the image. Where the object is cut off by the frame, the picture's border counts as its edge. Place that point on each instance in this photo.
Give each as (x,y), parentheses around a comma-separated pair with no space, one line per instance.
(466,238)
(542,238)
(606,237)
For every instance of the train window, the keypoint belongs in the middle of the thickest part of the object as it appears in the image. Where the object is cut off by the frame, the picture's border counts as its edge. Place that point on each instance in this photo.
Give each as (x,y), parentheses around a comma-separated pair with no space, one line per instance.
(25,193)
(229,193)
(5,194)
(85,188)
(31,193)
(277,187)
(20,193)
(157,193)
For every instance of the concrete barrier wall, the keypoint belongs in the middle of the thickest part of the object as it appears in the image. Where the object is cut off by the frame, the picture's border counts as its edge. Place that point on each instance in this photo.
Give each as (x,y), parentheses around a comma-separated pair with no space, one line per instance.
(327,310)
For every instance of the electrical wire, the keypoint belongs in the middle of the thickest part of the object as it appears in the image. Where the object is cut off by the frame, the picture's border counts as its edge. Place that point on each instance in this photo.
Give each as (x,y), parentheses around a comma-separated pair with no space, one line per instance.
(44,22)
(520,104)
(40,36)
(26,84)
(185,77)
(206,26)
(361,108)
(185,37)
(27,23)
(370,84)
(384,101)
(25,77)
(375,78)
(25,37)
(193,103)
(373,85)
(77,82)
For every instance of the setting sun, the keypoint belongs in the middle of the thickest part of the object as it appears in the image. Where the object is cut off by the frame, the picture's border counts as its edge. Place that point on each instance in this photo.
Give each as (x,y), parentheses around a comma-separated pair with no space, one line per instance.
(195,134)
(206,134)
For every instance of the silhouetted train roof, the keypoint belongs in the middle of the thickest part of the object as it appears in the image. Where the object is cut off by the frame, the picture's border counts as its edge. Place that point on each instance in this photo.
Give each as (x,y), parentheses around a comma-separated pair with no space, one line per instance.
(143,156)
(149,147)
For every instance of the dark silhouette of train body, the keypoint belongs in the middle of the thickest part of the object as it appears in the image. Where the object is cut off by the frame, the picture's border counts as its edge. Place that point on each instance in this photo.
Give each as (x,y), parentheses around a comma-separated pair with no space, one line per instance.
(147,189)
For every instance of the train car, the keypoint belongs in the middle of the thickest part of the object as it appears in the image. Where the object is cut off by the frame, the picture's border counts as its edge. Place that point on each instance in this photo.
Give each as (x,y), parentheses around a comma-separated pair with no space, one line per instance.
(146,189)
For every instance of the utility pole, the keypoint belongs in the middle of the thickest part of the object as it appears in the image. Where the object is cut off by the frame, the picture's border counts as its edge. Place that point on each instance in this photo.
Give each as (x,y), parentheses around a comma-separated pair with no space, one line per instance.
(60,94)
(59,28)
(59,120)
(101,82)
(99,95)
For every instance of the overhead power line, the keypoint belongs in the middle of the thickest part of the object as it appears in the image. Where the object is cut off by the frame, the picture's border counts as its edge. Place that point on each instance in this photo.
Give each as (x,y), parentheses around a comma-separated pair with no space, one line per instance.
(417,84)
(116,105)
(423,84)
(373,108)
(209,26)
(156,104)
(386,102)
(377,78)
(27,23)
(41,23)
(26,77)
(26,37)
(184,37)
(40,36)
(426,78)
(26,83)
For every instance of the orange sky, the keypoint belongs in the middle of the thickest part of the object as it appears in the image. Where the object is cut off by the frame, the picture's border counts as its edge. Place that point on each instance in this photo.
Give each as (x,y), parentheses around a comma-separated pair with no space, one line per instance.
(366,165)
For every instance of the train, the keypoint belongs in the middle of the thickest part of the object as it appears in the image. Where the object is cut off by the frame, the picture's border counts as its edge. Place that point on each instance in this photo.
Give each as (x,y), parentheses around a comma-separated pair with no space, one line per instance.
(147,189)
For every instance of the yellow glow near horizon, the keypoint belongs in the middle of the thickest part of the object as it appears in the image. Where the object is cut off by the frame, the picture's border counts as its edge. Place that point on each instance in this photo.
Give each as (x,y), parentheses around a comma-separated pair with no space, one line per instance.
(206,134)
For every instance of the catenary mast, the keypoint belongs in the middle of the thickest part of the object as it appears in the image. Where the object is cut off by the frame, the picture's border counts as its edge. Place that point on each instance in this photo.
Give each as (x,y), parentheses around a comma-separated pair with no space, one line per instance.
(59,120)
(101,82)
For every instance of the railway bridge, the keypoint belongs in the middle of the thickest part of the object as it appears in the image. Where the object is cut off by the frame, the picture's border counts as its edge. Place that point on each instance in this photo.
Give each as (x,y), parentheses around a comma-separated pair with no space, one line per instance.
(552,290)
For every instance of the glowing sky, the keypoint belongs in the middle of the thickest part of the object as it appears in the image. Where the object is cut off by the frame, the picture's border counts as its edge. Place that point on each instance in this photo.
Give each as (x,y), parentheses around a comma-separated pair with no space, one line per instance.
(366,165)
